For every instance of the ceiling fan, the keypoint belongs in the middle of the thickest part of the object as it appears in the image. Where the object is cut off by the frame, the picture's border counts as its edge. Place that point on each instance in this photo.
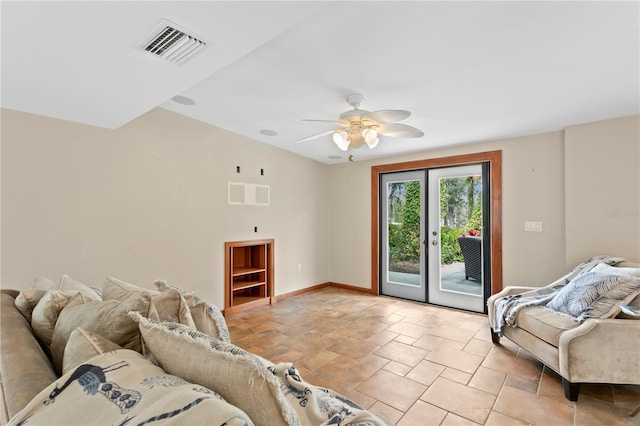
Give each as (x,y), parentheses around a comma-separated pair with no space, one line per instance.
(360,127)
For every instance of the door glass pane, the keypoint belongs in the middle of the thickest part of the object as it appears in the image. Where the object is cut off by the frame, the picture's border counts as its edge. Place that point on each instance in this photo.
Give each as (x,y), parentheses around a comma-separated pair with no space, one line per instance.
(460,234)
(404,232)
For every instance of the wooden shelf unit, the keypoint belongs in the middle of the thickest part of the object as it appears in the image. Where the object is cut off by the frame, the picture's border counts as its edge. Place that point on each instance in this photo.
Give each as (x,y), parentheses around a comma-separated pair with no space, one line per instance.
(248,274)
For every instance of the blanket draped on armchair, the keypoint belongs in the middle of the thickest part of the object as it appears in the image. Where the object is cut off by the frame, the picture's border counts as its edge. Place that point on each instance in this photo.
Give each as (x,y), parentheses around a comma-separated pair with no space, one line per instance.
(508,307)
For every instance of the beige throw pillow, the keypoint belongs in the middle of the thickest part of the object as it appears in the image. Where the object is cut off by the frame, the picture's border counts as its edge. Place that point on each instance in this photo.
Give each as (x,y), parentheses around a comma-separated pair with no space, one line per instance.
(69,284)
(169,303)
(45,314)
(107,318)
(27,300)
(207,318)
(238,376)
(172,307)
(115,289)
(82,346)
(43,283)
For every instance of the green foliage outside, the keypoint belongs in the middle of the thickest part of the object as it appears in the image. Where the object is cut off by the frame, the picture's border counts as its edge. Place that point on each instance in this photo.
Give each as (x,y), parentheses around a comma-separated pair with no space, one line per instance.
(449,247)
(460,212)
(404,238)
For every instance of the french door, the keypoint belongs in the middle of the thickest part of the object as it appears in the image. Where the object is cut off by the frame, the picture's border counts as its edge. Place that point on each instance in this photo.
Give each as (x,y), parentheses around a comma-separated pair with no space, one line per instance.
(403,255)
(433,245)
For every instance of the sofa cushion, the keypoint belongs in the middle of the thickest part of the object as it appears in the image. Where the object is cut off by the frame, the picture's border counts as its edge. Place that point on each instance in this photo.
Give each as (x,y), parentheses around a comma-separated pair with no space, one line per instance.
(24,366)
(84,345)
(594,295)
(122,387)
(545,323)
(207,318)
(169,303)
(107,318)
(228,370)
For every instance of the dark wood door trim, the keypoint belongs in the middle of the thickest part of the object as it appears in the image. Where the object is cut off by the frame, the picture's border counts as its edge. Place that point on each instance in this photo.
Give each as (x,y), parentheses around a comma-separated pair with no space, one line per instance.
(495,166)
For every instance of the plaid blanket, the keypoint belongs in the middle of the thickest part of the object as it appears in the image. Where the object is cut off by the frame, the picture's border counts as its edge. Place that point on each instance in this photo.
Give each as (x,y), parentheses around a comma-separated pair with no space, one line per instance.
(506,309)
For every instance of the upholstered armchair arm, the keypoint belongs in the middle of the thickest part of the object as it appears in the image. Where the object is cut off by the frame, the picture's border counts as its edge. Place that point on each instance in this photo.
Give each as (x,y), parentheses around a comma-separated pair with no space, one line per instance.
(507,291)
(601,351)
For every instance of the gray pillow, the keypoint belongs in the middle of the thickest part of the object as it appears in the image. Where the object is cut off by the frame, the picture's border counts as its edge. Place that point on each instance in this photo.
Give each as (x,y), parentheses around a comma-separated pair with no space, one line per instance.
(594,295)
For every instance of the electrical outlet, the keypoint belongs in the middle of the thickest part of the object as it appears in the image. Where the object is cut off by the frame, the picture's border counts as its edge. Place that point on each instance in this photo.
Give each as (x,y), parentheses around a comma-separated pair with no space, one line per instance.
(299,267)
(533,226)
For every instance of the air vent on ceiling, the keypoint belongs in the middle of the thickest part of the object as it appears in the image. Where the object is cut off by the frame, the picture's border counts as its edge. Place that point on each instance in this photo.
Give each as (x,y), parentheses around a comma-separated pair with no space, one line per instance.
(172,43)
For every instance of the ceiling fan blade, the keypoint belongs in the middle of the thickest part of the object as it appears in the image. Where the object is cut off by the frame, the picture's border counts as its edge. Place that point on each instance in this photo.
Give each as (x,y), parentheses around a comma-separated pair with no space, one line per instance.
(388,115)
(318,135)
(336,122)
(396,130)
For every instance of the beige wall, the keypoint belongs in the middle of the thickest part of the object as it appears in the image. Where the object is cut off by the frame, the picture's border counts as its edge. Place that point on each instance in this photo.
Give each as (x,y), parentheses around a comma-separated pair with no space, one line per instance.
(149,201)
(603,189)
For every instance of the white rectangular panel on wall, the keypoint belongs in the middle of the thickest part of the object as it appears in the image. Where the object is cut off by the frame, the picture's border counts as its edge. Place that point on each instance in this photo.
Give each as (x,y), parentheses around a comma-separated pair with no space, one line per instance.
(236,193)
(263,195)
(249,194)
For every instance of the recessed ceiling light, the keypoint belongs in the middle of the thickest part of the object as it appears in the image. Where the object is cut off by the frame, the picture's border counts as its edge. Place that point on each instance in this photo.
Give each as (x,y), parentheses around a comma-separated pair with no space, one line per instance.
(183,100)
(268,132)
(334,157)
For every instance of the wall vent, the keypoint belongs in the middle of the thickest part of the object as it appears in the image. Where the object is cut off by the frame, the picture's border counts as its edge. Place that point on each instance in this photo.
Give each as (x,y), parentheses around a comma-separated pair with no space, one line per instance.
(171,43)
(249,194)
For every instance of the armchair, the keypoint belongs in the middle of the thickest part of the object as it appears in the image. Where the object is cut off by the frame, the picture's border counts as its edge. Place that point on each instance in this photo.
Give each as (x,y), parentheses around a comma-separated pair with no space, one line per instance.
(471,248)
(594,351)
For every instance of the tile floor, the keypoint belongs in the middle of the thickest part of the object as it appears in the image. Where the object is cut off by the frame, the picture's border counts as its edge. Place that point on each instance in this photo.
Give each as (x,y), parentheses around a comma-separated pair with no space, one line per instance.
(416,364)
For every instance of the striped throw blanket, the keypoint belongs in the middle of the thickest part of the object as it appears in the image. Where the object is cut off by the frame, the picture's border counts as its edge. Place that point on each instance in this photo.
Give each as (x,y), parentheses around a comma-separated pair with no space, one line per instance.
(506,309)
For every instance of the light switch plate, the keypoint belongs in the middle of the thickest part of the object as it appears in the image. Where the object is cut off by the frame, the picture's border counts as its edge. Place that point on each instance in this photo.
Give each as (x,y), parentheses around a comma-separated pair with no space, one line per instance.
(533,226)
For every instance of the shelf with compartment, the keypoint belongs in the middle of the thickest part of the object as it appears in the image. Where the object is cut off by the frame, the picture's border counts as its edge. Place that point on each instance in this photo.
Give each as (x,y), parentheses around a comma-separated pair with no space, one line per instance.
(248,274)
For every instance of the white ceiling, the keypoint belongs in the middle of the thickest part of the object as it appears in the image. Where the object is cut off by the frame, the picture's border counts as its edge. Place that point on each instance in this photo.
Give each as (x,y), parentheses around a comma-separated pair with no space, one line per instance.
(468,71)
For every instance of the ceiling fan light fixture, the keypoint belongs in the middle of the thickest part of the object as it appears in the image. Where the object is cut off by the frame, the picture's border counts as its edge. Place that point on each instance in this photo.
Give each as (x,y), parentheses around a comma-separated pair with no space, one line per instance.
(361,127)
(341,139)
(373,143)
(356,137)
(370,135)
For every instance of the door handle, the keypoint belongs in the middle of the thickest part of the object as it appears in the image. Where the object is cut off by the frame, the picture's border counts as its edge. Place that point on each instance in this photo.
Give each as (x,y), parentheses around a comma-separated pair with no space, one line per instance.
(434,242)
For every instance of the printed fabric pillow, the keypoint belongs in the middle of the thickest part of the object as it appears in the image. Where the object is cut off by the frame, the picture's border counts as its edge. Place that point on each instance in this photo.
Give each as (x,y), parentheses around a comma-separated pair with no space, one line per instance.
(594,295)
(207,318)
(84,345)
(316,405)
(122,387)
(108,318)
(238,376)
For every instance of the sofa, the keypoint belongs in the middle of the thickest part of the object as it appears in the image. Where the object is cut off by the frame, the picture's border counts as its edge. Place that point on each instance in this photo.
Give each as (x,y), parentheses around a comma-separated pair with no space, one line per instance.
(589,348)
(124,354)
